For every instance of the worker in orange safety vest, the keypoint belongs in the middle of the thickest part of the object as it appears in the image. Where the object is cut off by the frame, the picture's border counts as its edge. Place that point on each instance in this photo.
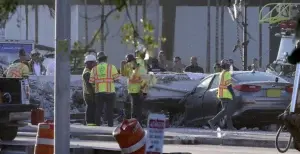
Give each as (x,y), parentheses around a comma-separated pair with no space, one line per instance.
(18,69)
(102,77)
(226,96)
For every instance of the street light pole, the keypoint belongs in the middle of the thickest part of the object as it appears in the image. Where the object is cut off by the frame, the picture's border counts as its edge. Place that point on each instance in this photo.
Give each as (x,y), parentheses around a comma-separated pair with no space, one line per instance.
(62,77)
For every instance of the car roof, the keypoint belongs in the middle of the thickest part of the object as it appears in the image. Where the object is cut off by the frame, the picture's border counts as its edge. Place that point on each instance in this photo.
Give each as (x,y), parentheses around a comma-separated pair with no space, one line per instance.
(246,72)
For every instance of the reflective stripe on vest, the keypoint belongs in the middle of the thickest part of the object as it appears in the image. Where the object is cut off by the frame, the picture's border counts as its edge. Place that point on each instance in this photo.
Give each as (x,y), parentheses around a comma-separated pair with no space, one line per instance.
(15,70)
(134,82)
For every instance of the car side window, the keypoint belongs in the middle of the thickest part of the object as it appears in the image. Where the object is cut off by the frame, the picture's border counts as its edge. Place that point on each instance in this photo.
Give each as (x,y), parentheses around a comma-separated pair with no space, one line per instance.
(205,83)
(215,82)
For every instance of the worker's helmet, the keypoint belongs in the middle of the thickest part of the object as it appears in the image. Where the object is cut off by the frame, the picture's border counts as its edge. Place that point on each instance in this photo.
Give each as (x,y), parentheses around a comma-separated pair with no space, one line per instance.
(34,52)
(101,55)
(90,58)
(130,58)
(225,64)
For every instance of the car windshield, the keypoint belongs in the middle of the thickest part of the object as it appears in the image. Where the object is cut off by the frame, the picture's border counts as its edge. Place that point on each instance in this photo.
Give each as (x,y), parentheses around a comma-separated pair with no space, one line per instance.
(256,76)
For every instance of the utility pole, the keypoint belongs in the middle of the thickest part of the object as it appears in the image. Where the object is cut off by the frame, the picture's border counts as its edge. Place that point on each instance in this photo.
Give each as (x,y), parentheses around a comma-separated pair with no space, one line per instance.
(217,31)
(157,25)
(86,26)
(136,23)
(62,77)
(102,28)
(245,39)
(208,39)
(36,23)
(26,19)
(222,28)
(260,38)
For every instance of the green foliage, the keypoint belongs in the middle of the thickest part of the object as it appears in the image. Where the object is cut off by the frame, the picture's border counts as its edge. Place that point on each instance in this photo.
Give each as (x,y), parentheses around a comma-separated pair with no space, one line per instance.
(77,57)
(7,7)
(131,37)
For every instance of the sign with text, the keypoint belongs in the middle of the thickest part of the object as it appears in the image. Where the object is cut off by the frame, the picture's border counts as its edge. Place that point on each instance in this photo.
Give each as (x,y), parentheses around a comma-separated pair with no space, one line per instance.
(155,133)
(9,51)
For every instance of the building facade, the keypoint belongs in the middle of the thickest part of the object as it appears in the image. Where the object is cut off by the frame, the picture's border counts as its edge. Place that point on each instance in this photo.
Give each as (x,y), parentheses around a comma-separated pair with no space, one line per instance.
(190,32)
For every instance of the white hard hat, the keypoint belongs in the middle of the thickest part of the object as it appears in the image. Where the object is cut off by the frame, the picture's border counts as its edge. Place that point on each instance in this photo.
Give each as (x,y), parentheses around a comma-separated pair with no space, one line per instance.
(90,58)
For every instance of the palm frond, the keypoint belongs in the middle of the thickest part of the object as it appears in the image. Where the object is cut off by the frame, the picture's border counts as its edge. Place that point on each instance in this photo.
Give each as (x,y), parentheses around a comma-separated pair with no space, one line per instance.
(7,8)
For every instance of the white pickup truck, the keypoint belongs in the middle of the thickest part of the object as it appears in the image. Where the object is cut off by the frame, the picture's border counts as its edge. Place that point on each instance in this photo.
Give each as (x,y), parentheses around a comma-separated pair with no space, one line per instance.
(15,110)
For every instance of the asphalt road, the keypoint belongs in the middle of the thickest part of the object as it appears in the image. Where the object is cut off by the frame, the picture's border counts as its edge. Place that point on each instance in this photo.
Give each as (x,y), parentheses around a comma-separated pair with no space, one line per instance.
(194,149)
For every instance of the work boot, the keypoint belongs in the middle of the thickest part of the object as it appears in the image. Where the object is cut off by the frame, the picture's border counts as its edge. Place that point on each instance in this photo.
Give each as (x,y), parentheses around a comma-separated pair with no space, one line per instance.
(211,124)
(90,124)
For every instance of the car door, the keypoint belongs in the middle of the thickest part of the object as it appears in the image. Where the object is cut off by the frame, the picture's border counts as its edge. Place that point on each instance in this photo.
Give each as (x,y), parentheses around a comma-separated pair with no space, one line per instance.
(194,102)
(210,100)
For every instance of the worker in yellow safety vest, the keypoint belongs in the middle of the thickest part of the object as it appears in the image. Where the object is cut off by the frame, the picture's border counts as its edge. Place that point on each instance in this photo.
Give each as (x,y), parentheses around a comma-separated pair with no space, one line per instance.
(226,96)
(18,69)
(102,78)
(135,85)
(140,54)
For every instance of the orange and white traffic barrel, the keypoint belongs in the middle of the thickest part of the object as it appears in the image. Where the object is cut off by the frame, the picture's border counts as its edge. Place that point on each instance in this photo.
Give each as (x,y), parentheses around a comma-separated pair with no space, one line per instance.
(131,137)
(45,138)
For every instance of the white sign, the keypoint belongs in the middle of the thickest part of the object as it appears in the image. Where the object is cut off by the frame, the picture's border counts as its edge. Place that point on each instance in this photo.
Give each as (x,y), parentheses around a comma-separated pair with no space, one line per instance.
(155,133)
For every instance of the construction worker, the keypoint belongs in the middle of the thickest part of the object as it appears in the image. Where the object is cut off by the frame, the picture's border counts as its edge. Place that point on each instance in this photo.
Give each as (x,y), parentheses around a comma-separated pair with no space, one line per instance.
(88,90)
(226,96)
(135,85)
(140,54)
(126,71)
(102,78)
(19,69)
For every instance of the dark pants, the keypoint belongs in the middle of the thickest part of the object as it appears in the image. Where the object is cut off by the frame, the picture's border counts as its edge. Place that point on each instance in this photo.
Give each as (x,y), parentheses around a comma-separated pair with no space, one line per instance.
(228,109)
(109,100)
(90,108)
(136,106)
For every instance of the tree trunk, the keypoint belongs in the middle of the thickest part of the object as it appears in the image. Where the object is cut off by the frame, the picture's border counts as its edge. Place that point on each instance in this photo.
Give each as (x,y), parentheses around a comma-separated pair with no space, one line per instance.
(36,23)
(168,27)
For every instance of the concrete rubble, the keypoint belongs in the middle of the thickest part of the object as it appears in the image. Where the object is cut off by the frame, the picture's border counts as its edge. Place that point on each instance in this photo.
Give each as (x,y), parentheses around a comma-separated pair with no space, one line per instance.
(42,88)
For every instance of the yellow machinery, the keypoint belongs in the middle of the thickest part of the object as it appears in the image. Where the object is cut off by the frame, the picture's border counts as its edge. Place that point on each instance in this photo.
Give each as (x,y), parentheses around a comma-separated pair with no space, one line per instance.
(275,13)
(284,15)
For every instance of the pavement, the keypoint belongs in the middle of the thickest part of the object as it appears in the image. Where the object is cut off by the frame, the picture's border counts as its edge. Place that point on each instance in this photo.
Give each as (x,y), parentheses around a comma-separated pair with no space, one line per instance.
(169,148)
(186,136)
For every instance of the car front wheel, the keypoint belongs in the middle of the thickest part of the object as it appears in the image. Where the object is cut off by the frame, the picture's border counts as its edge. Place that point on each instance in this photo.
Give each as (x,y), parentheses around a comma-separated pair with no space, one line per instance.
(8,133)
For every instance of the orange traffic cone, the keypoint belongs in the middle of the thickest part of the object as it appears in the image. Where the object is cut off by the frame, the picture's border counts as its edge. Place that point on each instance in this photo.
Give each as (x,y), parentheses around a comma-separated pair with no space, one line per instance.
(37,116)
(45,138)
(131,137)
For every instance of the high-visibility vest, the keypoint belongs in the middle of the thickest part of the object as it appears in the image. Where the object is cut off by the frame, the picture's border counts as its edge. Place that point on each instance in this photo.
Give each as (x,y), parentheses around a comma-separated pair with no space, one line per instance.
(225,80)
(143,68)
(134,82)
(17,70)
(103,76)
(84,86)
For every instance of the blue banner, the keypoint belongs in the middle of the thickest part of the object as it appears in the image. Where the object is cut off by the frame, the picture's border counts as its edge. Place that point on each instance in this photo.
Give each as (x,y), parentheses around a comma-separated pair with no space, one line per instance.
(15,47)
(9,52)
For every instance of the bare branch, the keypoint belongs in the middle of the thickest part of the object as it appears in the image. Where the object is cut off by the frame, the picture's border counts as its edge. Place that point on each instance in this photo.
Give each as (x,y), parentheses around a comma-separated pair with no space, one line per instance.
(103,23)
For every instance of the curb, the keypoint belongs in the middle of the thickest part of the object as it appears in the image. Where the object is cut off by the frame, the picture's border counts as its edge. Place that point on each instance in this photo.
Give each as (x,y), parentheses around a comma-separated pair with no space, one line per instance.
(186,140)
(201,140)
